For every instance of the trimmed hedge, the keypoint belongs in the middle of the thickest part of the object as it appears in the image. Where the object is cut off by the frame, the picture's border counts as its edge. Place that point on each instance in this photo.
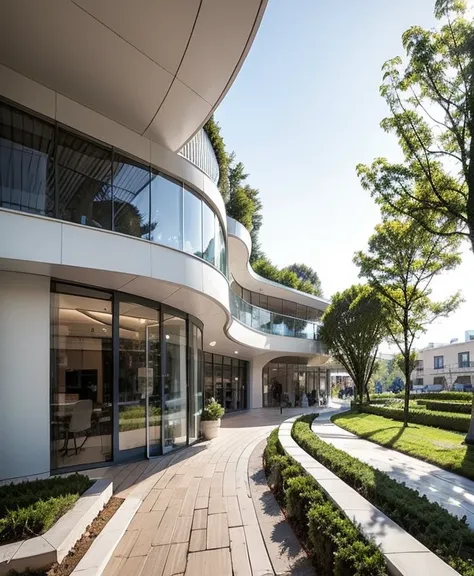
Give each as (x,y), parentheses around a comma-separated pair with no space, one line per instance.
(445,535)
(337,546)
(453,396)
(446,406)
(28,509)
(445,420)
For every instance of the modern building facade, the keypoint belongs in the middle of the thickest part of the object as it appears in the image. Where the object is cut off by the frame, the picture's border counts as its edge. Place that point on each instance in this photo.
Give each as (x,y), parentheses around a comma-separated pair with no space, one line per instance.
(446,366)
(126,294)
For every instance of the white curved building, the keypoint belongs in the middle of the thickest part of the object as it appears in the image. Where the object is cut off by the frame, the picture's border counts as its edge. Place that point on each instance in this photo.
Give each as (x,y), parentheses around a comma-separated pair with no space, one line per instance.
(126,296)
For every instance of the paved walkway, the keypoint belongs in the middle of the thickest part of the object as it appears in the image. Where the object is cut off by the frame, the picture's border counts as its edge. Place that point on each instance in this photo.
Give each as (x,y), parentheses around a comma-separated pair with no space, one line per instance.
(453,492)
(207,509)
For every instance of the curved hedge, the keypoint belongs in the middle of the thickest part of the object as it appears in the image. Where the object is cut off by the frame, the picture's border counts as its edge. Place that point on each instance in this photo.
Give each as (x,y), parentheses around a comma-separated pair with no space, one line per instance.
(447,406)
(338,548)
(447,420)
(454,396)
(445,535)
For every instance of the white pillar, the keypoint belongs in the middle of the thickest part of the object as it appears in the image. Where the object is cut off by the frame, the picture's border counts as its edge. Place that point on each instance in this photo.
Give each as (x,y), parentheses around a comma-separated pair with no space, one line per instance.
(24,376)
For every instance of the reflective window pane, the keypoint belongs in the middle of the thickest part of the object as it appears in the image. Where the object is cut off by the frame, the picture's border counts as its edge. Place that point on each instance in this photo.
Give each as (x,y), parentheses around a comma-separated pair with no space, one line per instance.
(208,232)
(208,381)
(196,383)
(131,197)
(175,401)
(81,380)
(192,224)
(139,377)
(221,261)
(84,178)
(26,162)
(166,212)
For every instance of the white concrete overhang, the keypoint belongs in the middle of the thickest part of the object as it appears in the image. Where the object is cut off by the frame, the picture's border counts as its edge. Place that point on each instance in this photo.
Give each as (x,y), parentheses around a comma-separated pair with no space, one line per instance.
(157,67)
(240,247)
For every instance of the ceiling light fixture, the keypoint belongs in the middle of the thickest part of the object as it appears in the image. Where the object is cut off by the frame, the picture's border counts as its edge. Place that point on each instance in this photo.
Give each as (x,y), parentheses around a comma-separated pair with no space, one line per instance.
(213,343)
(167,336)
(236,352)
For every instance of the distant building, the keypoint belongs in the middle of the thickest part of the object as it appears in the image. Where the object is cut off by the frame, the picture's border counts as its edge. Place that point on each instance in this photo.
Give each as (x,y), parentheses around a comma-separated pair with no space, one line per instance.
(468,335)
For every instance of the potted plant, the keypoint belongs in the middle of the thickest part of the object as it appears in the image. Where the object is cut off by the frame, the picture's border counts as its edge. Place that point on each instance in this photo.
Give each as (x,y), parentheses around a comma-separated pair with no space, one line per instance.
(211,419)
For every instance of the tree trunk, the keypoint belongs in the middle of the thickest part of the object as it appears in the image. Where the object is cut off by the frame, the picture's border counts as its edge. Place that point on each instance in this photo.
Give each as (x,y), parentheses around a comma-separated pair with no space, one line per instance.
(469,439)
(407,376)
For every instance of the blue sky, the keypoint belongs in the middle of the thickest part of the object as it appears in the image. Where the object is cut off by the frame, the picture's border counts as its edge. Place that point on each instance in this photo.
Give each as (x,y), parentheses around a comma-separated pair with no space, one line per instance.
(304,110)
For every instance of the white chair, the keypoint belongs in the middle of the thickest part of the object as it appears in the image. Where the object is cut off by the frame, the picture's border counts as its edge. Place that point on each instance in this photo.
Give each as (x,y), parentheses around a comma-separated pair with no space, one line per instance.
(81,421)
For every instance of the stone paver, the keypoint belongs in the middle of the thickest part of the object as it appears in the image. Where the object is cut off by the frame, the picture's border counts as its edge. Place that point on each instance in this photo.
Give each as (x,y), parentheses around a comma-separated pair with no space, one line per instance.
(207,509)
(452,492)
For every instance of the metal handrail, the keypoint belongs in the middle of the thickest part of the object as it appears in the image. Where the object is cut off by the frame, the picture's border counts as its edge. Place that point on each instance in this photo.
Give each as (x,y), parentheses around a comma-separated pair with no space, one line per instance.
(199,151)
(272,322)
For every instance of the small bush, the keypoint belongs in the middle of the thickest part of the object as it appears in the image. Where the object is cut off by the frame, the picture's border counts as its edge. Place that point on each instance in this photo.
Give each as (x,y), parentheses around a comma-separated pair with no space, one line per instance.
(339,548)
(444,534)
(454,396)
(446,420)
(31,508)
(446,406)
(212,410)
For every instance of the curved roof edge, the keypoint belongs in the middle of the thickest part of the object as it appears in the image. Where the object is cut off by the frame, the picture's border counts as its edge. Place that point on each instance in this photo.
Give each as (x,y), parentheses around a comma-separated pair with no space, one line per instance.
(240,247)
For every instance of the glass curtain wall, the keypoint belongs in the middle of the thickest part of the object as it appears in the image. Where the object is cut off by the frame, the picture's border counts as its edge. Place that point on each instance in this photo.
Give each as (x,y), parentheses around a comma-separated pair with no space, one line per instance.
(225,379)
(195,378)
(81,378)
(139,378)
(175,400)
(48,170)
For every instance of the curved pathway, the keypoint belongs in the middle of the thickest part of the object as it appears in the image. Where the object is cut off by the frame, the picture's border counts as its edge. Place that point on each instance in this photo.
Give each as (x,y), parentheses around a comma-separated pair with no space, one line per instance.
(453,492)
(207,509)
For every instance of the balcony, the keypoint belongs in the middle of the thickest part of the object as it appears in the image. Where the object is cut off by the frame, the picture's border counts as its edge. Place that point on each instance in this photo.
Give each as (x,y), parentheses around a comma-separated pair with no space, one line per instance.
(270,322)
(199,151)
(458,368)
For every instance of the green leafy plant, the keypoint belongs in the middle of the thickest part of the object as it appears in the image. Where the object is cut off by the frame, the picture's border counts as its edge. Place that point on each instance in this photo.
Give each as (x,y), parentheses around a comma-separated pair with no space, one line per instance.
(212,410)
(28,509)
(337,546)
(445,535)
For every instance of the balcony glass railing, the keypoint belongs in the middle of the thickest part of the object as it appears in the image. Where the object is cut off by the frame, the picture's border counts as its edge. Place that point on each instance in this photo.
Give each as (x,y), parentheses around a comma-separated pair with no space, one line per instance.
(200,152)
(271,322)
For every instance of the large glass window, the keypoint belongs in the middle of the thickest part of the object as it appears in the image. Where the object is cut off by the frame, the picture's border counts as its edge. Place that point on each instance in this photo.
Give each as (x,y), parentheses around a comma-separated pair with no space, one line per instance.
(208,234)
(166,212)
(175,401)
(221,261)
(84,181)
(131,197)
(26,162)
(81,380)
(139,378)
(192,224)
(195,382)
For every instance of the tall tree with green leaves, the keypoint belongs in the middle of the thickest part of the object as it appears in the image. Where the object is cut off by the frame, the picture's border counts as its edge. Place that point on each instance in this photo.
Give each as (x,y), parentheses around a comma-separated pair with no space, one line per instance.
(431,100)
(401,263)
(307,276)
(352,330)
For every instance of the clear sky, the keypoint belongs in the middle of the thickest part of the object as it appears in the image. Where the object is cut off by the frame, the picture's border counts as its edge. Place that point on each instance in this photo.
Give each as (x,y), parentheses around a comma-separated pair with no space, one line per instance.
(303,112)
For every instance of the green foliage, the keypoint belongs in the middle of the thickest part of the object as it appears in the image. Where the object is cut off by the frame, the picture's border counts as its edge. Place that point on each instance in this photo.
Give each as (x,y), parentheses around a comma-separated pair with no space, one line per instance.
(431,103)
(352,331)
(445,406)
(436,396)
(212,410)
(213,130)
(30,508)
(308,279)
(445,420)
(338,548)
(444,534)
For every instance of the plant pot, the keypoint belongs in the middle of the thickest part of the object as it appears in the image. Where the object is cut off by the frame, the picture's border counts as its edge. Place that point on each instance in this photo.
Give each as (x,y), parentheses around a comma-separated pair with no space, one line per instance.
(210,429)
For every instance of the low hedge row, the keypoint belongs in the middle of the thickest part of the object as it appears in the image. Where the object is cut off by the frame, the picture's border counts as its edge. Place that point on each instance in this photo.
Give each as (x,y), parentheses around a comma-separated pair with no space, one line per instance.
(454,396)
(445,420)
(446,406)
(444,534)
(30,508)
(337,546)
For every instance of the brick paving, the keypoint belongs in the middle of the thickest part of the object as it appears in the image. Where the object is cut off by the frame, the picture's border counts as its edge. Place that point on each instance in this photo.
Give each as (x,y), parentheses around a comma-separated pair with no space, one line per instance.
(207,509)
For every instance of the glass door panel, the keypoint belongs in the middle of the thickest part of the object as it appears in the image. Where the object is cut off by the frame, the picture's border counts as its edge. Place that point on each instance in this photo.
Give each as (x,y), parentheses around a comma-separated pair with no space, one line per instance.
(175,400)
(139,370)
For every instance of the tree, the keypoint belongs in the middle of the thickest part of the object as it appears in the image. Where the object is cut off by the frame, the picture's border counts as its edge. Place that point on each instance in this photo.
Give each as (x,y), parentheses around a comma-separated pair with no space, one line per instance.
(353,327)
(431,102)
(213,130)
(306,274)
(402,260)
(400,362)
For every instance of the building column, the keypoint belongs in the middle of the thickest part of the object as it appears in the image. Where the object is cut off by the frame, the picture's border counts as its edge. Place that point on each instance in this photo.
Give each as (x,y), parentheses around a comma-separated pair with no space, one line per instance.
(24,376)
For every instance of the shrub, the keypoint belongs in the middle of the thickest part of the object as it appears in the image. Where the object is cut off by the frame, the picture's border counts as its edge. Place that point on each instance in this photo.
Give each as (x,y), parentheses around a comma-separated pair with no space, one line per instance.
(212,410)
(445,535)
(446,406)
(30,508)
(446,420)
(339,547)
(454,396)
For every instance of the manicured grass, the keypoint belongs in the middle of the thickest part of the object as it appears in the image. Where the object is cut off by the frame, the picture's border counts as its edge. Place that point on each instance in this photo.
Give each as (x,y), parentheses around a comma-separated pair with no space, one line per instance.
(31,508)
(440,447)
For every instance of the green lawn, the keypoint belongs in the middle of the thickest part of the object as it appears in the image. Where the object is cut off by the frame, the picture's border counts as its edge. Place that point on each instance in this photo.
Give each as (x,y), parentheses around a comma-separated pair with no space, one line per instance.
(440,447)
